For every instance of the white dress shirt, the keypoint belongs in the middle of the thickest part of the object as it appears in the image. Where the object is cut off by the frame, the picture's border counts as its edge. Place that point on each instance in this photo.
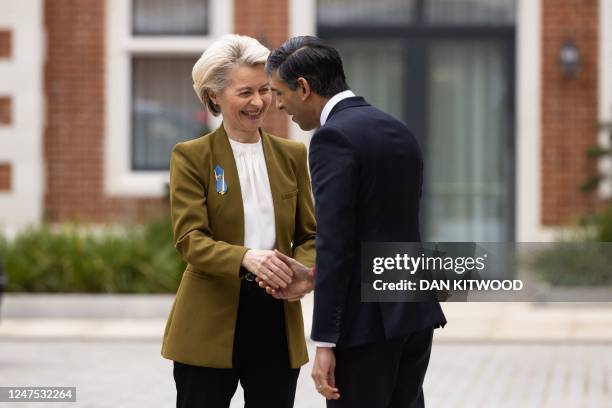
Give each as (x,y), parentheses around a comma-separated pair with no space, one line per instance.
(259,224)
(333,101)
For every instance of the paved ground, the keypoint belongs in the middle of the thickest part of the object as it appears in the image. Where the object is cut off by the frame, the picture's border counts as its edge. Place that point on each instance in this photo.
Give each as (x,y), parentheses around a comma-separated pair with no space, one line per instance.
(131,374)
(142,317)
(490,355)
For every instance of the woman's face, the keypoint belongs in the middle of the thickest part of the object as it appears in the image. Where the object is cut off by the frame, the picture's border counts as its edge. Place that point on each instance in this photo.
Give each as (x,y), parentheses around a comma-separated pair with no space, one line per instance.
(245,100)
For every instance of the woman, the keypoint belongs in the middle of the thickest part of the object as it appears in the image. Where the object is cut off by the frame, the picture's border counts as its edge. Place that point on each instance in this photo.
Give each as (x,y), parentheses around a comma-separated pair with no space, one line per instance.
(237,194)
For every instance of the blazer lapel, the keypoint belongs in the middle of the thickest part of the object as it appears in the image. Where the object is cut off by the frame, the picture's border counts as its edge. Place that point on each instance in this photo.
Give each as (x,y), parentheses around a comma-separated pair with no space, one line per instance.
(228,206)
(274,173)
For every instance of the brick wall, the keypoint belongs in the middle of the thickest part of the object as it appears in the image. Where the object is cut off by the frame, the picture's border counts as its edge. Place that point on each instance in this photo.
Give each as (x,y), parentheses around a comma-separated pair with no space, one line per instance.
(569,109)
(5,177)
(74,88)
(74,133)
(268,21)
(5,44)
(5,111)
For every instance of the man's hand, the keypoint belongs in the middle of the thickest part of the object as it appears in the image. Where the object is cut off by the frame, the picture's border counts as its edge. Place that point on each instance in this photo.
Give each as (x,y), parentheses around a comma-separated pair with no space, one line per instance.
(323,371)
(268,268)
(303,280)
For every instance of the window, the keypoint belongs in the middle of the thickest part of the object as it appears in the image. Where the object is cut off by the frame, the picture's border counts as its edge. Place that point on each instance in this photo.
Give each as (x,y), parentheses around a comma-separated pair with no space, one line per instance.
(165,109)
(429,12)
(445,67)
(150,103)
(486,12)
(162,17)
(366,11)
(362,58)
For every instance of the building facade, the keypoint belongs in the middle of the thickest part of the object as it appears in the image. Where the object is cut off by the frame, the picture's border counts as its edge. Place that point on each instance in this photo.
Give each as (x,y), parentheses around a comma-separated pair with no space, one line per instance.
(503,95)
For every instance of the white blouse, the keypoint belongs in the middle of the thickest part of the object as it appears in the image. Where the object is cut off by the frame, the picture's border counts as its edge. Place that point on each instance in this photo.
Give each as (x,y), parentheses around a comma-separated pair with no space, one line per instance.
(259,224)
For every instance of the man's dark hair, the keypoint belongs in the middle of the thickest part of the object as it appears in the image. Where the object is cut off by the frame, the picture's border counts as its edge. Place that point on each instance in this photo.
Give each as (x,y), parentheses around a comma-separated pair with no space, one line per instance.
(309,57)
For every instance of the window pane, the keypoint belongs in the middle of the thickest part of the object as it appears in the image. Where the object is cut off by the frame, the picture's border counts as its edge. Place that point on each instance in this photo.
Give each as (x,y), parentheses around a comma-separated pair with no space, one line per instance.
(162,17)
(470,11)
(165,110)
(375,70)
(365,11)
(468,168)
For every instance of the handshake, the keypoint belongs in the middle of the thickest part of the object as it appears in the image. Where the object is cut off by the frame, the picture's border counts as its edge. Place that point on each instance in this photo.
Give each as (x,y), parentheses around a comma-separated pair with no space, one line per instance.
(281,276)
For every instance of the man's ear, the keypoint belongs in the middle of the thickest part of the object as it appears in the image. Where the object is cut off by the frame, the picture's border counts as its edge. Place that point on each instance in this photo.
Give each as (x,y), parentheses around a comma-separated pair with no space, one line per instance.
(303,88)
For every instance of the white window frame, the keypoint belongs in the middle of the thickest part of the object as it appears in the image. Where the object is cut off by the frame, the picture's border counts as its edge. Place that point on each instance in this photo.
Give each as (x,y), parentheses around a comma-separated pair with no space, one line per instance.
(302,21)
(605,90)
(528,221)
(119,177)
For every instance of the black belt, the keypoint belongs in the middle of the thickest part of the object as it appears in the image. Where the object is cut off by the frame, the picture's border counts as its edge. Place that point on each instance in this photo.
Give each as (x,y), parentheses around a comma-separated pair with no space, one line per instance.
(246,275)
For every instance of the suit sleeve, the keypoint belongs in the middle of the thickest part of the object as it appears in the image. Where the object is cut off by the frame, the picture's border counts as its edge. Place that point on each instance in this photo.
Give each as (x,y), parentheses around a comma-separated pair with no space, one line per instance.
(305,227)
(192,234)
(334,178)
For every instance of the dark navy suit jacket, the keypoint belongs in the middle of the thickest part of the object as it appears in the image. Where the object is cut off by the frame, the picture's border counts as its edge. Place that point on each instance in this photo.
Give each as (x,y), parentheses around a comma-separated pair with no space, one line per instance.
(367,173)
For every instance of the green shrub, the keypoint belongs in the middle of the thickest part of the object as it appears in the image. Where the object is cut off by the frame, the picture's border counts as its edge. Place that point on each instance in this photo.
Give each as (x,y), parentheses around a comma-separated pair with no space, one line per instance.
(132,260)
(574,264)
(582,257)
(603,226)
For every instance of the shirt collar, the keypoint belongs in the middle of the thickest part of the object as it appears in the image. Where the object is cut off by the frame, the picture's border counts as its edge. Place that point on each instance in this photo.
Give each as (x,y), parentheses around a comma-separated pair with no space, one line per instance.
(333,102)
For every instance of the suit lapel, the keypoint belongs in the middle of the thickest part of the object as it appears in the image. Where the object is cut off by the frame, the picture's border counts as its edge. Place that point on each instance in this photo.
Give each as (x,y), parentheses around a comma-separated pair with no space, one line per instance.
(347,103)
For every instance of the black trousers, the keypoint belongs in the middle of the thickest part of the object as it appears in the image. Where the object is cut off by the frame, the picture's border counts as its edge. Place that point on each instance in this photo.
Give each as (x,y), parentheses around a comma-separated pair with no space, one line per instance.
(260,361)
(387,374)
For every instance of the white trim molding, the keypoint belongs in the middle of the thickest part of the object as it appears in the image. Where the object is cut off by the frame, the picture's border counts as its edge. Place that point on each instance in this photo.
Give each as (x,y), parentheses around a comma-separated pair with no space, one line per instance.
(21,142)
(529,123)
(302,21)
(120,179)
(605,89)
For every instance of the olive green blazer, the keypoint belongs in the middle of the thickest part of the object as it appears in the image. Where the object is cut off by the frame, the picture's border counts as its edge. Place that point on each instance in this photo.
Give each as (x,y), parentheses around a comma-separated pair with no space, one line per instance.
(209,235)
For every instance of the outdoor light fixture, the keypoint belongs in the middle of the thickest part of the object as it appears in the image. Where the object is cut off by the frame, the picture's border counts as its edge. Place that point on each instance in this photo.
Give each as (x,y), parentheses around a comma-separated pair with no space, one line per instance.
(569,59)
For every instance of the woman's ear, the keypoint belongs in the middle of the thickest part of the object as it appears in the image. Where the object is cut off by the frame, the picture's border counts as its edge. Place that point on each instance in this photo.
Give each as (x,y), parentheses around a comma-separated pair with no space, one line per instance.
(213,97)
(303,88)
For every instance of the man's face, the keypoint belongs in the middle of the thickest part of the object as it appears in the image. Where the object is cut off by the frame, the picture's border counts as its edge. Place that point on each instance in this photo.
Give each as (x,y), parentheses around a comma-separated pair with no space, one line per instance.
(296,103)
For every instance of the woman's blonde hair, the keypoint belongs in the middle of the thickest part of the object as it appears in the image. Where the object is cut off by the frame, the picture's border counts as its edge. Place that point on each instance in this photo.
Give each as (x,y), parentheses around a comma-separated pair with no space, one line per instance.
(210,72)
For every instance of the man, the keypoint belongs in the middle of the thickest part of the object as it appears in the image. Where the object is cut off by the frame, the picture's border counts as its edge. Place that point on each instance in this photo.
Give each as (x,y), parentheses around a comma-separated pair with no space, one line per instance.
(366,170)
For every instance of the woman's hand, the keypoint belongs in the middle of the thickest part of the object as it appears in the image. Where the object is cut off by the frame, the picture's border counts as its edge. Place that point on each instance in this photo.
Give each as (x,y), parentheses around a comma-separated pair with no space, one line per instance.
(303,280)
(268,267)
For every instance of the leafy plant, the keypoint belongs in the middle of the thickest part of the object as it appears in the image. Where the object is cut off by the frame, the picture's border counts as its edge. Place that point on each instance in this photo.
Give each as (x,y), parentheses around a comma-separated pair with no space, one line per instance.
(601,223)
(574,264)
(70,259)
(598,152)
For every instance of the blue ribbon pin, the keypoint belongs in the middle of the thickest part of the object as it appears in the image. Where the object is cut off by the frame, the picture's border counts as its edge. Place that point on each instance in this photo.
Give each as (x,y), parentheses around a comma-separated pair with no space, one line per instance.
(220,178)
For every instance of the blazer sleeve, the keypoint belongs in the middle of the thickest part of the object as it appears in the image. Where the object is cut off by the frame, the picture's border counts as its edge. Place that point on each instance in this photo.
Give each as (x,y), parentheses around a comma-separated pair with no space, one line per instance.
(334,172)
(305,227)
(193,237)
